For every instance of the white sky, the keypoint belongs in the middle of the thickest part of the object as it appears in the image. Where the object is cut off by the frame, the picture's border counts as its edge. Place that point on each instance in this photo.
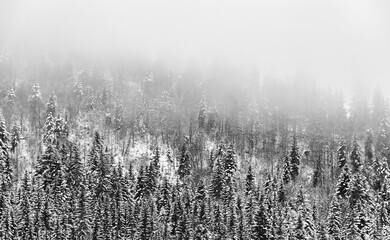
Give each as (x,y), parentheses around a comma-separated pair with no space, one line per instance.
(333,41)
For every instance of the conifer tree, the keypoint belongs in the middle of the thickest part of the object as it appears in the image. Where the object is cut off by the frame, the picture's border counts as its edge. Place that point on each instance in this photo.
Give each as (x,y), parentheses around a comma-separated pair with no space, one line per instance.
(344,181)
(49,127)
(51,105)
(317,177)
(356,160)
(217,181)
(249,182)
(262,225)
(368,146)
(48,167)
(184,163)
(96,153)
(382,146)
(25,228)
(35,106)
(342,156)
(230,164)
(295,159)
(15,137)
(334,219)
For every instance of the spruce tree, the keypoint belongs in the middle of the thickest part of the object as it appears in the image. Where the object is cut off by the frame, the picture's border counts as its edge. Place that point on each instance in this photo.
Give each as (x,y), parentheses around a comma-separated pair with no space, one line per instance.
(342,156)
(249,182)
(295,159)
(356,159)
(217,181)
(382,146)
(25,227)
(343,183)
(334,223)
(184,169)
(51,105)
(49,127)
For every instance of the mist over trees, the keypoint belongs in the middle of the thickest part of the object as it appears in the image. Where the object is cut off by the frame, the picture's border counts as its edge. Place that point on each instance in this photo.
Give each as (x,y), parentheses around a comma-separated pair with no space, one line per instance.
(131,149)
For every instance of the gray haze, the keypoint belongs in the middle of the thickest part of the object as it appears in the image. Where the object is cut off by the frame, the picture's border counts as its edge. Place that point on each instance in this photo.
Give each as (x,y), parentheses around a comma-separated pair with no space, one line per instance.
(335,42)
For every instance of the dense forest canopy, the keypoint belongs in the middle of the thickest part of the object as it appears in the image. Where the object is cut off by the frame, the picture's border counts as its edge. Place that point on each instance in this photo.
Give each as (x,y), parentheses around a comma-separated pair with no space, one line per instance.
(137,149)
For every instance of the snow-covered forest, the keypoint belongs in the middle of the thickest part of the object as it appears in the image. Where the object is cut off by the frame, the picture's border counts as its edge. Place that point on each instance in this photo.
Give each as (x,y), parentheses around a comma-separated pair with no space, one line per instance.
(194,120)
(145,151)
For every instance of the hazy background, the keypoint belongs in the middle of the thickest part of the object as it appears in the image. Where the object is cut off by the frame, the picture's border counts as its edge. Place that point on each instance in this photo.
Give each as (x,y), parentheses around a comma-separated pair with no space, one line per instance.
(335,42)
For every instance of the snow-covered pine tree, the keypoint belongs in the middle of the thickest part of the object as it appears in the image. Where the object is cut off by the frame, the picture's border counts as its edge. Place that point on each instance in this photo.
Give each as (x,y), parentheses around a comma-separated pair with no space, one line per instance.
(368,146)
(382,146)
(217,181)
(35,106)
(295,158)
(249,182)
(356,157)
(184,169)
(49,128)
(334,219)
(96,153)
(342,156)
(15,137)
(25,226)
(51,105)
(343,183)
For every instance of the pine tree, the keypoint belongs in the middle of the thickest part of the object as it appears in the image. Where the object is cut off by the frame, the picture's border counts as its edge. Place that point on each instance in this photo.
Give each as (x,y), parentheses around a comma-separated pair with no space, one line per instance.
(381,172)
(25,228)
(96,153)
(48,167)
(343,183)
(368,146)
(177,211)
(184,163)
(202,113)
(249,213)
(342,156)
(219,228)
(335,219)
(217,181)
(262,225)
(6,170)
(156,163)
(317,177)
(230,165)
(51,105)
(141,187)
(359,191)
(358,222)
(82,213)
(250,182)
(74,169)
(4,140)
(295,159)
(382,146)
(35,106)
(9,105)
(287,174)
(184,229)
(356,160)
(49,127)
(15,137)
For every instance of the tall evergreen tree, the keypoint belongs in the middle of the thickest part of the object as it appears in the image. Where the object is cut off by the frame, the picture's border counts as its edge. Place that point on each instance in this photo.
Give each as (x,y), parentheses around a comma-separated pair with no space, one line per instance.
(184,163)
(343,183)
(295,159)
(356,159)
